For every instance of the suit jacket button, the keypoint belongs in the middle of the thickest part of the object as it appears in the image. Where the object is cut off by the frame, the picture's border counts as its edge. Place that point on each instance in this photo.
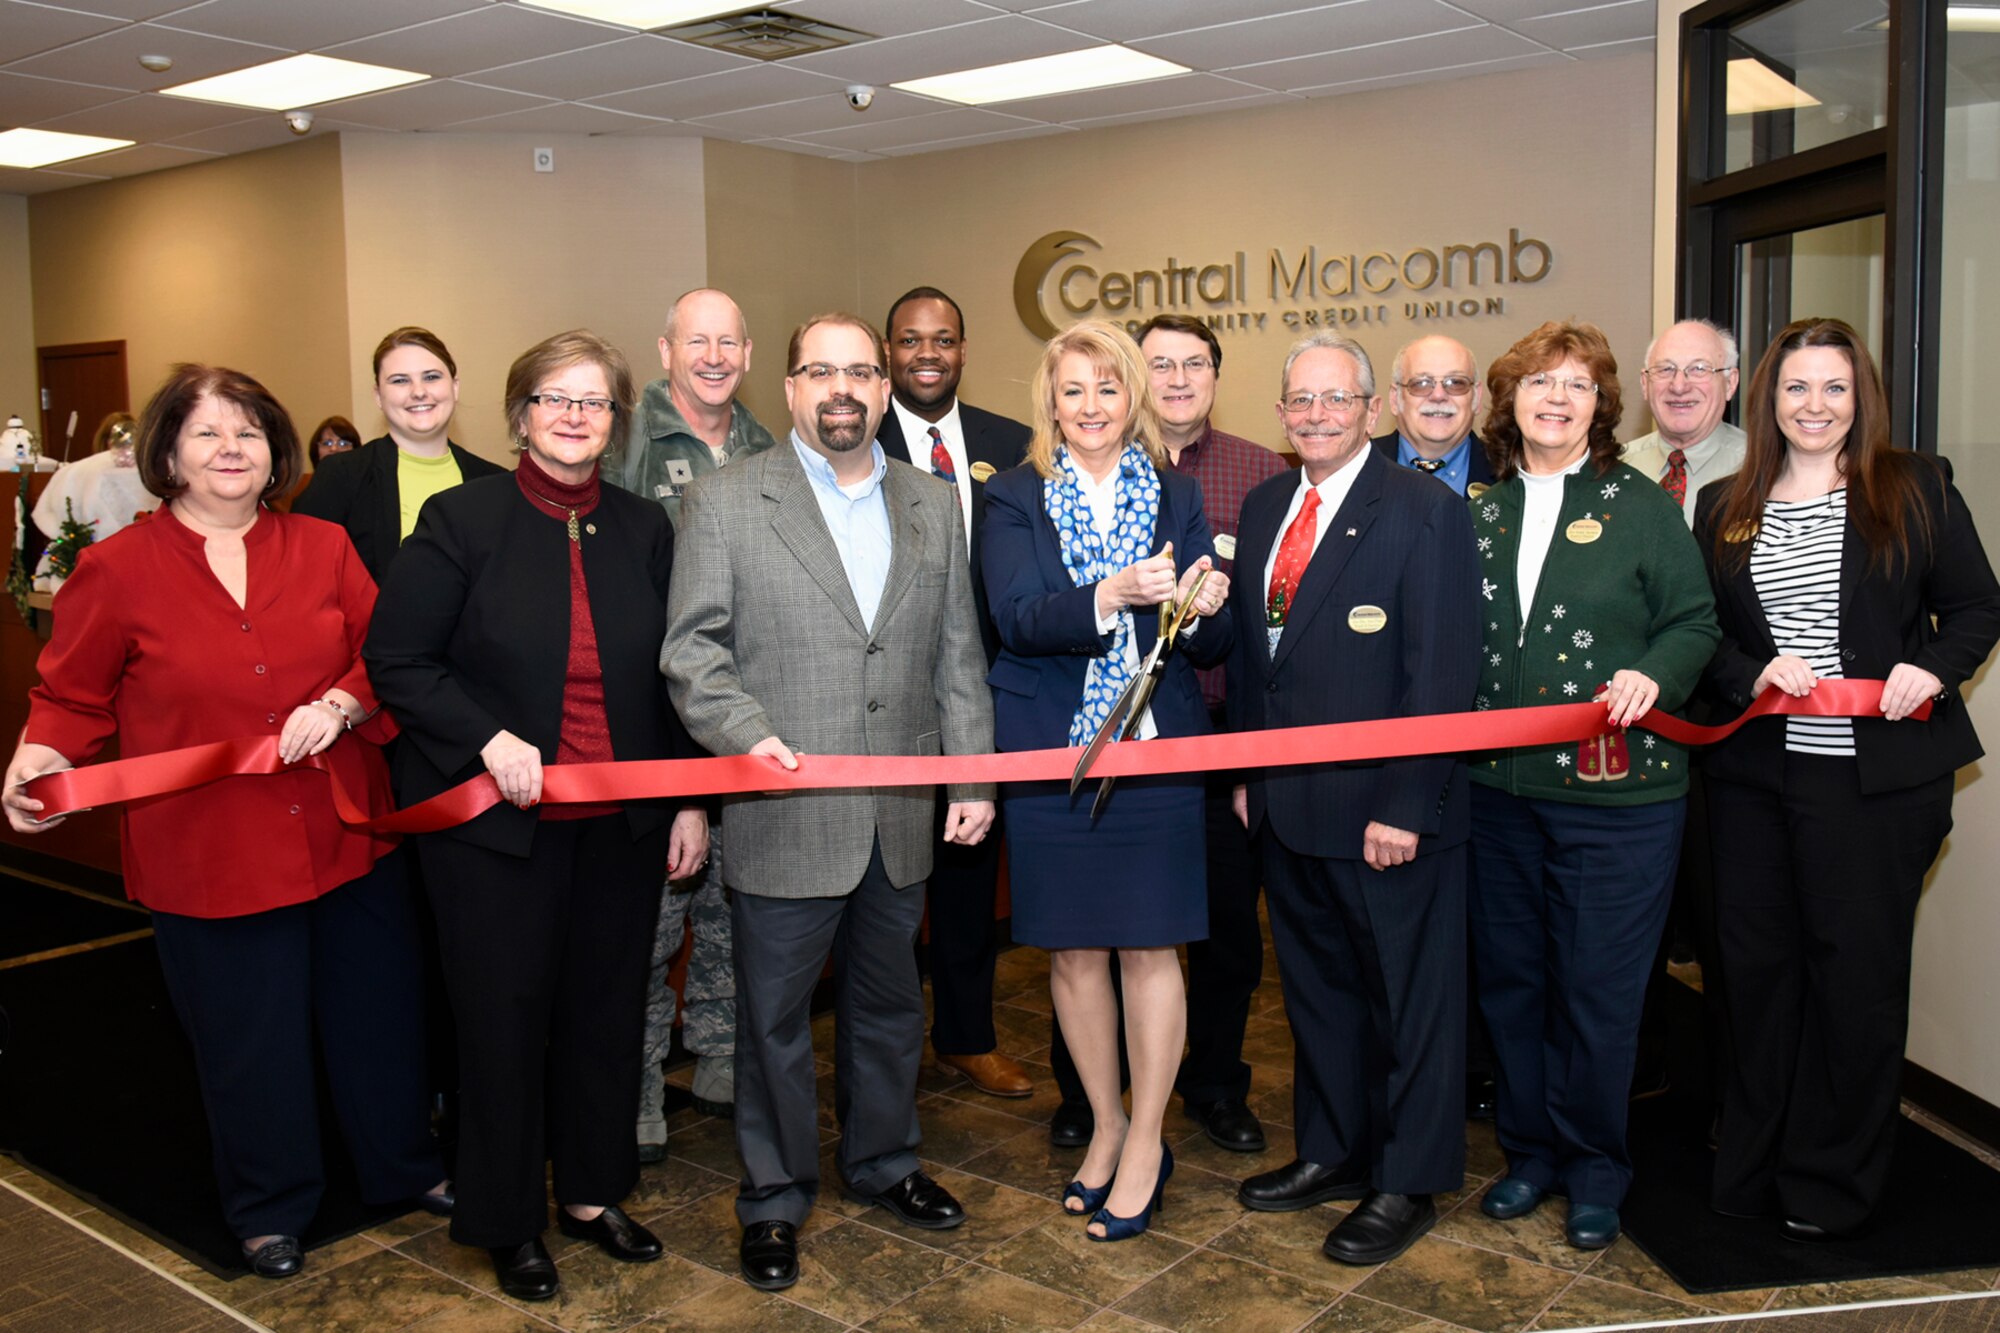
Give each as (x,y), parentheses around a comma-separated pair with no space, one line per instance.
(874,648)
(873,705)
(1271,688)
(1847,654)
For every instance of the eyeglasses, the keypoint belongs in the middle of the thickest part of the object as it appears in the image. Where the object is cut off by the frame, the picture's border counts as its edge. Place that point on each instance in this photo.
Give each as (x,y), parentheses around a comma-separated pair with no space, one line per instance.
(1697,372)
(1336,400)
(1544,384)
(1456,385)
(562,402)
(1194,365)
(819,372)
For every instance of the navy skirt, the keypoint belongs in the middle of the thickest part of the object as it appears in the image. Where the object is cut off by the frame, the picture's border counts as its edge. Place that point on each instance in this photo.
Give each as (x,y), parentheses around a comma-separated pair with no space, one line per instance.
(1137,878)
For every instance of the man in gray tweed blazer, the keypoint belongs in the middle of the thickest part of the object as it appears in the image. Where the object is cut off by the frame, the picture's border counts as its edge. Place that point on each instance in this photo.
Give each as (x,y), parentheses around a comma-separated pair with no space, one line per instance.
(821,604)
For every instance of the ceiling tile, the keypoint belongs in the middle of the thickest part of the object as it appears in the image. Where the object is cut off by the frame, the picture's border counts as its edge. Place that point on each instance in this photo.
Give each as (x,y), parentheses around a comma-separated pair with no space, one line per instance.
(307,27)
(1508,13)
(889,18)
(717,94)
(1592,27)
(827,111)
(490,35)
(113,58)
(427,106)
(26,30)
(262,129)
(1604,49)
(1127,20)
(1155,94)
(24,100)
(133,11)
(954,124)
(1413,55)
(13,181)
(614,67)
(1255,99)
(811,149)
(550,118)
(972,140)
(144,158)
(1337,28)
(147,117)
(1381,78)
(991,41)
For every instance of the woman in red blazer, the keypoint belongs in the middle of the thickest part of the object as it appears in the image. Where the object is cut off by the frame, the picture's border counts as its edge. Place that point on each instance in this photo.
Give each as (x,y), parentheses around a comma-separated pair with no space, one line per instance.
(214,619)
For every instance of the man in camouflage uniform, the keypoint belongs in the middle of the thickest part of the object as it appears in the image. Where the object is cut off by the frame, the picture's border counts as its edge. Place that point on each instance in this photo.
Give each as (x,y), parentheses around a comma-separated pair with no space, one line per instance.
(688,424)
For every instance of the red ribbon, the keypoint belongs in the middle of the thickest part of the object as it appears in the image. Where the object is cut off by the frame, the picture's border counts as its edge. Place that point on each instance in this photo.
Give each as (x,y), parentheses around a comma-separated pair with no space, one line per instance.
(595,784)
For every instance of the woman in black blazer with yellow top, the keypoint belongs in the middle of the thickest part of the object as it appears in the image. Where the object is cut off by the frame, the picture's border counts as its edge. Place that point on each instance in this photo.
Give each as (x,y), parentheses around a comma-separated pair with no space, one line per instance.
(521,626)
(1830,554)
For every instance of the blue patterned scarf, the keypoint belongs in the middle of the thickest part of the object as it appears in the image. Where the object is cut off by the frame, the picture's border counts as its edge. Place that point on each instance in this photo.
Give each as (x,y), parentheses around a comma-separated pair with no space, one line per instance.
(1090,558)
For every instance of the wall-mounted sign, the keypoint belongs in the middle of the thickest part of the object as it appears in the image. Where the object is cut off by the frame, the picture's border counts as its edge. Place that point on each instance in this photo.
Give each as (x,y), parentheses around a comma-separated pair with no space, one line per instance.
(1296,289)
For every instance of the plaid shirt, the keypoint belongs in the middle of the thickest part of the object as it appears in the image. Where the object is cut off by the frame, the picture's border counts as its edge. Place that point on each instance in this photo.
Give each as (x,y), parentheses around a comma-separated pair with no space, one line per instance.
(1227,468)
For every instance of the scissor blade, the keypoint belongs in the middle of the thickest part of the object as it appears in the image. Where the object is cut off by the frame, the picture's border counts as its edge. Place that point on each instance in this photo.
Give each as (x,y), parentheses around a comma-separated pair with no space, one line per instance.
(1120,711)
(1137,712)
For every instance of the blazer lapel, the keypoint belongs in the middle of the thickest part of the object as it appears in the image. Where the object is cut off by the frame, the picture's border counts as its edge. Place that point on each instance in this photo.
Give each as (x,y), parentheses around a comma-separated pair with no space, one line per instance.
(906,540)
(890,436)
(1255,537)
(1853,563)
(1344,531)
(802,528)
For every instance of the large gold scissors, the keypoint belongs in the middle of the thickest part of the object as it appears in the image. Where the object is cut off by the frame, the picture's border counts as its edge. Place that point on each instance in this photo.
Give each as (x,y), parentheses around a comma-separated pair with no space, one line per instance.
(1125,715)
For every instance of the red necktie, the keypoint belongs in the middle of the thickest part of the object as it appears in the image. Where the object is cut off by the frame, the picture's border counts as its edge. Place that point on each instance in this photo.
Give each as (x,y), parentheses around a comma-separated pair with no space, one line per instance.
(1675,483)
(941,466)
(1294,554)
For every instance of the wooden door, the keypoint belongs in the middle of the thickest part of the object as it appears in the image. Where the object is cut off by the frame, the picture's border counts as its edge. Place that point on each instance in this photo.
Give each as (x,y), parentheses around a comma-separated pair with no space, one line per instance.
(87,379)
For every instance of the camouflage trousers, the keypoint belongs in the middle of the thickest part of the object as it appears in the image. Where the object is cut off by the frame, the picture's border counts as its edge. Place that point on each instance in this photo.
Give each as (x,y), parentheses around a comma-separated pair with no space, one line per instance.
(708,1002)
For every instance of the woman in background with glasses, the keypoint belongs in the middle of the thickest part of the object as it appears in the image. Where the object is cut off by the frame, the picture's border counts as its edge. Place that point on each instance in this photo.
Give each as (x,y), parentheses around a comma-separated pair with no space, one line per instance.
(521,626)
(1592,589)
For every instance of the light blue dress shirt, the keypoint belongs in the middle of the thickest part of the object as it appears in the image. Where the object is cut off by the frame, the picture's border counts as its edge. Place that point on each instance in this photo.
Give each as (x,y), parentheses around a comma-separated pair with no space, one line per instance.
(1457,463)
(858,517)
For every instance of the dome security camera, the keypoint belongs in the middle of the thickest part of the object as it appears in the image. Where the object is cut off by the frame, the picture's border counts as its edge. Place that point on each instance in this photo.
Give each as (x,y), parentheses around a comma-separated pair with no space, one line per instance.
(299,122)
(860,96)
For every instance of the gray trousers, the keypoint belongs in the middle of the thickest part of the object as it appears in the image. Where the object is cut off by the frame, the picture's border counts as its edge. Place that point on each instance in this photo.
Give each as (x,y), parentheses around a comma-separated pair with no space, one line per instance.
(782,945)
(708,1003)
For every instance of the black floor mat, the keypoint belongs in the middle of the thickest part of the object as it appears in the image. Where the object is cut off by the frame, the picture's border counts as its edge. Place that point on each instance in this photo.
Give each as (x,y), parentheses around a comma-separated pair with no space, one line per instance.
(35,917)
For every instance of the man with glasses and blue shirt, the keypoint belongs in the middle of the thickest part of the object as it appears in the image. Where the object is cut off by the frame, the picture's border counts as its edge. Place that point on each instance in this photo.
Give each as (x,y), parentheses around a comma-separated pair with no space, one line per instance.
(822,604)
(1436,395)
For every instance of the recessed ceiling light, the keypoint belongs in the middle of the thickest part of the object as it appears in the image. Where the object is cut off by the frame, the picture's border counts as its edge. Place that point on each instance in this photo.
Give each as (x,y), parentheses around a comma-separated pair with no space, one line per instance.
(1754,86)
(41,148)
(295,81)
(645,14)
(1070,72)
(1971,18)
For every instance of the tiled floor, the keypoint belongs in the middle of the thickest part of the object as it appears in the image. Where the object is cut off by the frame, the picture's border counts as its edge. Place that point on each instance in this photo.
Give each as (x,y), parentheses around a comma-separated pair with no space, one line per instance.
(1018,1264)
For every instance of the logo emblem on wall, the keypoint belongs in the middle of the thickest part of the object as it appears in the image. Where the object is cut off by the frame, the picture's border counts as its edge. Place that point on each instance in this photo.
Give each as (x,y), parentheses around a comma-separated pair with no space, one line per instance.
(1033,270)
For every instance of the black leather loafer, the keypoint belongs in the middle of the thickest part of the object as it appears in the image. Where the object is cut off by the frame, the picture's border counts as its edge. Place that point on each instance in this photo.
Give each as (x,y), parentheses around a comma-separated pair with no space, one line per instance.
(919,1201)
(616,1234)
(525,1271)
(1381,1227)
(1230,1124)
(279,1256)
(440,1201)
(1300,1185)
(1591,1226)
(1071,1125)
(769,1255)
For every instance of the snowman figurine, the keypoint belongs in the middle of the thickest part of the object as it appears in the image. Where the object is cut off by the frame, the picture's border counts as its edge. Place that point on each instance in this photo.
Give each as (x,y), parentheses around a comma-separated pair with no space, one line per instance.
(17,447)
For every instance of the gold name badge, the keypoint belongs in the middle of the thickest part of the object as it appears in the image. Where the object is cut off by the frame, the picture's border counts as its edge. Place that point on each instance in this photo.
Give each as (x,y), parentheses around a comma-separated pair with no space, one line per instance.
(1476,489)
(1225,545)
(1741,532)
(982,471)
(1367,619)
(1584,531)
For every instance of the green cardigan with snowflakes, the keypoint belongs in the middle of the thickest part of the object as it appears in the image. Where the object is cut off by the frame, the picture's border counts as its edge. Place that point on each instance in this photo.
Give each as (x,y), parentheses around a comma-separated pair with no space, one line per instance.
(1623,586)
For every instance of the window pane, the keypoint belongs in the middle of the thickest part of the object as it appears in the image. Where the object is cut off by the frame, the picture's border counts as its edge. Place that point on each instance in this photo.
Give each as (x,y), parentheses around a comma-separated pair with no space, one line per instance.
(1833,272)
(1969,313)
(1804,74)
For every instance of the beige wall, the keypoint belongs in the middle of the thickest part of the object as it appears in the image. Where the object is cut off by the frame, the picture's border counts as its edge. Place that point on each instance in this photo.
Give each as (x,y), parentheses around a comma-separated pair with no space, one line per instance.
(1496,152)
(19,392)
(783,233)
(238,261)
(460,234)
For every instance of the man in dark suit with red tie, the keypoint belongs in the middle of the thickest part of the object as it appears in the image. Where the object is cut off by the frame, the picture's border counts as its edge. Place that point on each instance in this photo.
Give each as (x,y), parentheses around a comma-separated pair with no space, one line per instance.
(1363,577)
(927,426)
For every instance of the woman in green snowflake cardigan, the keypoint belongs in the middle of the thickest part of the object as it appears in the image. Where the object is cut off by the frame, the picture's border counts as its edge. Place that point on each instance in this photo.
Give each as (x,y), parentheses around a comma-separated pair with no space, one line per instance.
(1592,588)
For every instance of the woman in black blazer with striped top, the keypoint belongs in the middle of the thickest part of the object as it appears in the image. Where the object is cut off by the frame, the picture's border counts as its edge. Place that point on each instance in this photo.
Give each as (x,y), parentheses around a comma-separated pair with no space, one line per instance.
(1831,555)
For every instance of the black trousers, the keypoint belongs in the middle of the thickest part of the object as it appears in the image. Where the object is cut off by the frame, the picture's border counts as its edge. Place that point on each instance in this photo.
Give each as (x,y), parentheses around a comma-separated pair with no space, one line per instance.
(545,957)
(964,942)
(1373,968)
(251,993)
(781,946)
(1816,894)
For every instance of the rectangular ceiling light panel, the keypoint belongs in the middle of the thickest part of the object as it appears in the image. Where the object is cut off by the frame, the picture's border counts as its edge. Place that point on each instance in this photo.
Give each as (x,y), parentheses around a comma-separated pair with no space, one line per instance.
(41,148)
(642,14)
(295,81)
(1045,76)
(1755,86)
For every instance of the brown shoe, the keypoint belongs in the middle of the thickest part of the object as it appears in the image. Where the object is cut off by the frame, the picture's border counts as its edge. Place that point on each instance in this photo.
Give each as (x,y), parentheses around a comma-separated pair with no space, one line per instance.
(992,1073)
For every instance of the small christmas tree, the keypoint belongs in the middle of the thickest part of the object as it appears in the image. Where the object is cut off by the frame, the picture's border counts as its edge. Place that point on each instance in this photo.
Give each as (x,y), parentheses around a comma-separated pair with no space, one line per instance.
(68,543)
(19,585)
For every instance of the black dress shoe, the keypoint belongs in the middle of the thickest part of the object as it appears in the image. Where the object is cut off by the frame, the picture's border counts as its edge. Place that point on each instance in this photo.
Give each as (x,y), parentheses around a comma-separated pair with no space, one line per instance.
(279,1256)
(769,1255)
(439,1202)
(1482,1097)
(919,1201)
(1071,1125)
(616,1234)
(525,1271)
(1300,1185)
(1381,1227)
(1229,1124)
